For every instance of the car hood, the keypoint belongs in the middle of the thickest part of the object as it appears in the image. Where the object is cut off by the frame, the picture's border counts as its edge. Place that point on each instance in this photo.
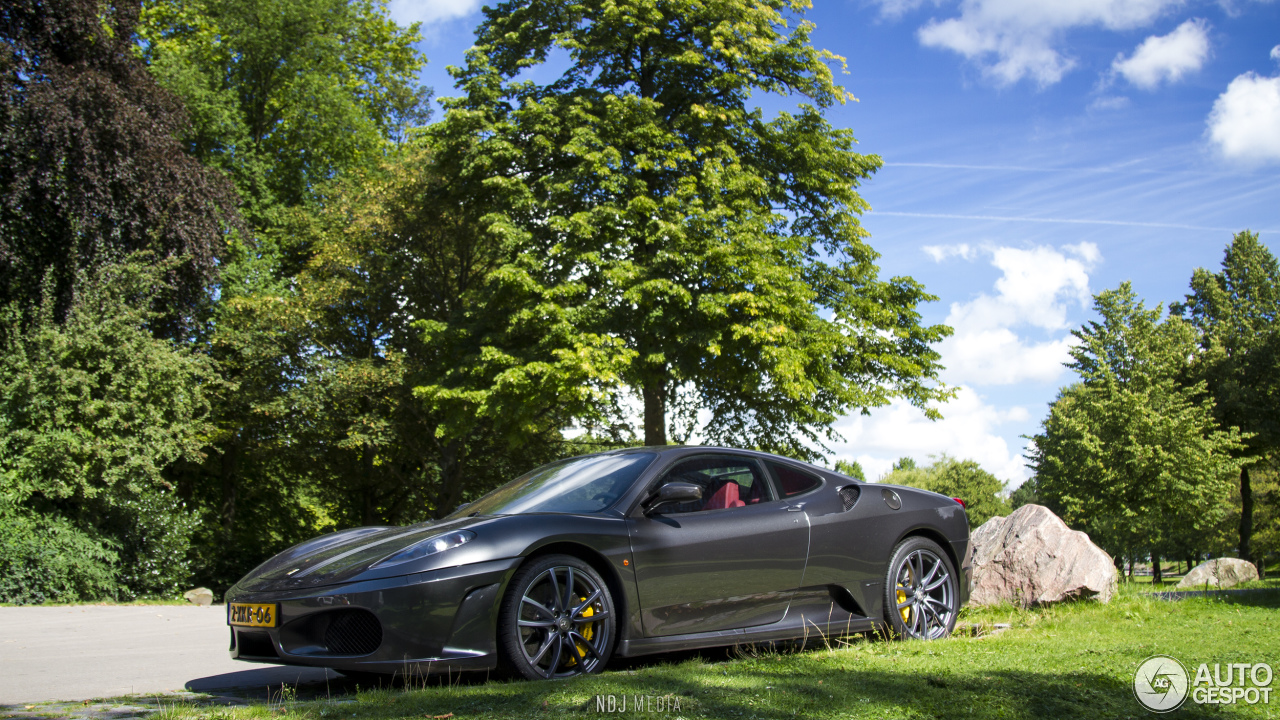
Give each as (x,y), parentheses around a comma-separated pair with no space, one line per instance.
(341,556)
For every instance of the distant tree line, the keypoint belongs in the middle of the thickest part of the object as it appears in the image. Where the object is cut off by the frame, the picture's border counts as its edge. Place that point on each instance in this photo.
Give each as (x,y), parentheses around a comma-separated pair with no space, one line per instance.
(1167,446)
(251,290)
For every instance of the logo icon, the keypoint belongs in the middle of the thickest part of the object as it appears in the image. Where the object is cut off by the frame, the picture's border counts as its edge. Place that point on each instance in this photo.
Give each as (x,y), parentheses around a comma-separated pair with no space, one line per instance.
(1160,683)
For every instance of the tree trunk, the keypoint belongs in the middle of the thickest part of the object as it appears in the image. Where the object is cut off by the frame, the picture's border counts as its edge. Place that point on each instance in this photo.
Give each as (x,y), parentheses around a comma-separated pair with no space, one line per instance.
(229,467)
(655,412)
(1157,578)
(1246,515)
(1129,577)
(450,494)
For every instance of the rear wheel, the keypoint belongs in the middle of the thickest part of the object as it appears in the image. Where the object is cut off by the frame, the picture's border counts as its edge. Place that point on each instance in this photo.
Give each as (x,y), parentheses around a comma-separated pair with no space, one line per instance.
(921,595)
(556,620)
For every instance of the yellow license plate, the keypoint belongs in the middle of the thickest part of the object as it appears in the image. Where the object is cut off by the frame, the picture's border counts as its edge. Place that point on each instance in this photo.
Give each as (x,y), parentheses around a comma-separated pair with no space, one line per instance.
(252,614)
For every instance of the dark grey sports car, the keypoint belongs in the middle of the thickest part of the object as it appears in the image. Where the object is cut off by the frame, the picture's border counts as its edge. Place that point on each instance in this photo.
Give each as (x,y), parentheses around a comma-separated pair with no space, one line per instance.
(618,554)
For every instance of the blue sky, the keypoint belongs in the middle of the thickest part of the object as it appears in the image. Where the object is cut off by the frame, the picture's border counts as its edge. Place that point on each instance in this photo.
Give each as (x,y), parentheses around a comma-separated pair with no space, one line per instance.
(1036,152)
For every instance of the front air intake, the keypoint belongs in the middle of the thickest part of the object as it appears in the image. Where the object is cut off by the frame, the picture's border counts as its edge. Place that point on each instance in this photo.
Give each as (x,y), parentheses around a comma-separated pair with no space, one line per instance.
(849,495)
(352,632)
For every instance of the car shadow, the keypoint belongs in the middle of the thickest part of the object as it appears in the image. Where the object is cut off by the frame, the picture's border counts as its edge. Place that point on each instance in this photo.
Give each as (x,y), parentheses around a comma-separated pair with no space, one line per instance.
(266,681)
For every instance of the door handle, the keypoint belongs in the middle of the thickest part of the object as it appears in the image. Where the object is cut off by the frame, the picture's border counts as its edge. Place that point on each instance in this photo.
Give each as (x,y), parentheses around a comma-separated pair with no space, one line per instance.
(795,508)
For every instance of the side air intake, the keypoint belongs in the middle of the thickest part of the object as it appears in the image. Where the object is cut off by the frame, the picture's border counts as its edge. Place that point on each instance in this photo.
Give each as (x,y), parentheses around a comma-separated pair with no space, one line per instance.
(849,495)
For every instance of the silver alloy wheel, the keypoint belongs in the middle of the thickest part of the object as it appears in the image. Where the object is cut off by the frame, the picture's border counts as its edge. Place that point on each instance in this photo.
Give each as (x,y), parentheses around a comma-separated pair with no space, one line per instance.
(560,623)
(926,596)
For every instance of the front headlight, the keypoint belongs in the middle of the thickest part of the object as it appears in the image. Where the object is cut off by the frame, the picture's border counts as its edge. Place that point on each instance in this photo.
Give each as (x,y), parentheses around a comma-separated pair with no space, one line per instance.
(430,546)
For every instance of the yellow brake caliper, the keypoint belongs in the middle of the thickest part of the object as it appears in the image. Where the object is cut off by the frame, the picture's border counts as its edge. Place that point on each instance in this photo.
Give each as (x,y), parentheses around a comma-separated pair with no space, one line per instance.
(906,611)
(587,633)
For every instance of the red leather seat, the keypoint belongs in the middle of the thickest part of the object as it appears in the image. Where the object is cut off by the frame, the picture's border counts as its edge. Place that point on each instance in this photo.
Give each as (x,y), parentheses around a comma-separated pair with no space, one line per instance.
(724,497)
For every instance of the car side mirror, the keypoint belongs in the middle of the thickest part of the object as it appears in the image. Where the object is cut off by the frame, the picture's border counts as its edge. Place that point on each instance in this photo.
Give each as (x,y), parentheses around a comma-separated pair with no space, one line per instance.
(673,492)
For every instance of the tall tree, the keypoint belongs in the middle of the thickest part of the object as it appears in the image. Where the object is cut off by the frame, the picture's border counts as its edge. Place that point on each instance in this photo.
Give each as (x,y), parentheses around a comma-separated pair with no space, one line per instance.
(92,167)
(649,195)
(1237,314)
(287,97)
(284,94)
(1133,453)
(436,375)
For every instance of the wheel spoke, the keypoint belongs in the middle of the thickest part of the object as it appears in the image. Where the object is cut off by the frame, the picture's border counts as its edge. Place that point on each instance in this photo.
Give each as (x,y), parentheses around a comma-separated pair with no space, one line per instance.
(937,564)
(551,639)
(937,583)
(591,618)
(932,613)
(555,659)
(568,590)
(536,623)
(573,648)
(537,606)
(586,603)
(555,590)
(576,638)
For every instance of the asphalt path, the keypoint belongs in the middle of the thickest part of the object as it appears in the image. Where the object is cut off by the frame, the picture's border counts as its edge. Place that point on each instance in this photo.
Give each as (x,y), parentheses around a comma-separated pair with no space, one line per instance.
(85,652)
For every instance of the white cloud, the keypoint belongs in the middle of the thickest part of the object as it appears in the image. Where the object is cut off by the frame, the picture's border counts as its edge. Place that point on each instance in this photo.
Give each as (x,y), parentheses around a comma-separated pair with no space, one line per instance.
(426,12)
(1035,289)
(1166,58)
(942,252)
(1016,39)
(1110,102)
(1244,124)
(968,431)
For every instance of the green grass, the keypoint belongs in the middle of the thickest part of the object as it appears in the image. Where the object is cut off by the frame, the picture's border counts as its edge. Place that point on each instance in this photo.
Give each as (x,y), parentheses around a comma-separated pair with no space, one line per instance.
(1073,660)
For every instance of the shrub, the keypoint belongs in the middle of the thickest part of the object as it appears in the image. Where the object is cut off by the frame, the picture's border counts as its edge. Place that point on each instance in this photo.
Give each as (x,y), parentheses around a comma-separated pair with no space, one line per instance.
(47,559)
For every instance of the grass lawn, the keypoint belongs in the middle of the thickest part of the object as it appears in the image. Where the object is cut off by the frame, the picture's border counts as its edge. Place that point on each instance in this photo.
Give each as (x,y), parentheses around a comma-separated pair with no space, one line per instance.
(1074,660)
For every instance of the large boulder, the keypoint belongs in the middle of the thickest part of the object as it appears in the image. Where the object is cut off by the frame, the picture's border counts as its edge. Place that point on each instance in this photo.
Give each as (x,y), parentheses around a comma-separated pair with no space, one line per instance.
(1220,573)
(1032,558)
(199,596)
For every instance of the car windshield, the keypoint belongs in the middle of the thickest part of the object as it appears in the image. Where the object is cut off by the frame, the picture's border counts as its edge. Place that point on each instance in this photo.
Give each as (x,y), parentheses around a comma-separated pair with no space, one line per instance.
(577,485)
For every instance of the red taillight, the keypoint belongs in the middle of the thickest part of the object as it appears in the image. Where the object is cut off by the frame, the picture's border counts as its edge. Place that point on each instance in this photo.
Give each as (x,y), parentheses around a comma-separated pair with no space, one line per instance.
(966,507)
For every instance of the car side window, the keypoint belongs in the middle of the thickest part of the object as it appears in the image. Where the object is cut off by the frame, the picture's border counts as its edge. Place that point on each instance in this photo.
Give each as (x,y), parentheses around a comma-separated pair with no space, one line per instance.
(726,482)
(791,481)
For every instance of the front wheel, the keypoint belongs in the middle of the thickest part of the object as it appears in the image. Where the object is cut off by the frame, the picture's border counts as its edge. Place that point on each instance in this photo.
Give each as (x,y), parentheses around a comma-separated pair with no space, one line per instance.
(921,595)
(556,620)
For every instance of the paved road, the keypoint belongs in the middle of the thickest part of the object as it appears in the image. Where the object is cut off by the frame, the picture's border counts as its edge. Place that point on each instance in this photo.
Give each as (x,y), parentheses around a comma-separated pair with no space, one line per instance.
(95,651)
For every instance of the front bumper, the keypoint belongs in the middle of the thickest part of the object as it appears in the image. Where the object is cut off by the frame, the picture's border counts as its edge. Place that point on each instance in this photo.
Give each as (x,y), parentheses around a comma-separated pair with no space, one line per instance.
(437,621)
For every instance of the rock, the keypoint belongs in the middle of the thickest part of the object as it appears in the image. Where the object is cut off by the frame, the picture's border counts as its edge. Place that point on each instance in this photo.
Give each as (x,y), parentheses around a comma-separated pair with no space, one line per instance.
(1033,558)
(1220,573)
(199,596)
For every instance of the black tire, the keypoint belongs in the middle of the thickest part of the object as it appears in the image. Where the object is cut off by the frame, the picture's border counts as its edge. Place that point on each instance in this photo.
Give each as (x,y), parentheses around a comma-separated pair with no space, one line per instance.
(921,598)
(541,635)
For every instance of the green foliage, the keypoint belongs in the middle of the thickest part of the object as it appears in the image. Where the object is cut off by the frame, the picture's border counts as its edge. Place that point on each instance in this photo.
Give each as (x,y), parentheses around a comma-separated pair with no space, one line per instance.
(1236,313)
(1133,454)
(284,94)
(93,412)
(46,558)
(1024,494)
(97,405)
(638,187)
(153,531)
(851,468)
(981,491)
(92,170)
(439,376)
